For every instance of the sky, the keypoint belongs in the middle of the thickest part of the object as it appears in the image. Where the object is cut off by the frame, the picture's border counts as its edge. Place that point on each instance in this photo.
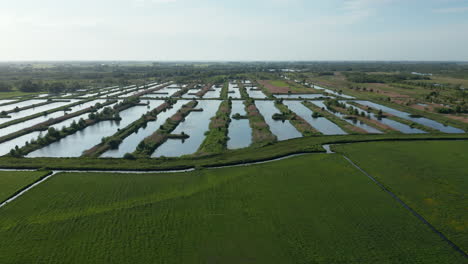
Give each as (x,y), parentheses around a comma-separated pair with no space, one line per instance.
(234,30)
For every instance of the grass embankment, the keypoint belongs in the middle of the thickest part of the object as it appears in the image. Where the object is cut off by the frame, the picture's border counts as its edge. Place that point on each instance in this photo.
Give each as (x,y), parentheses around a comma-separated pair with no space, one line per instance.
(261,133)
(204,90)
(345,126)
(13,101)
(45,125)
(243,91)
(284,87)
(395,118)
(225,91)
(434,116)
(429,176)
(183,91)
(18,109)
(115,140)
(147,91)
(309,209)
(12,182)
(264,89)
(61,108)
(54,135)
(229,157)
(151,143)
(381,92)
(298,122)
(353,114)
(217,137)
(11,94)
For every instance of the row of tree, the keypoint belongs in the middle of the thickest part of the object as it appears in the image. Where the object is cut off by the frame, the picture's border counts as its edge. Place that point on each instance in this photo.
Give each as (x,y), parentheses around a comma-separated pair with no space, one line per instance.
(30,86)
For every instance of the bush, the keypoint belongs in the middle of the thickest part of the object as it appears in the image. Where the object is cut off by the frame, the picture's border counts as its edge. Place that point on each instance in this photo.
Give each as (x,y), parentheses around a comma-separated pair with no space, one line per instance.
(129,156)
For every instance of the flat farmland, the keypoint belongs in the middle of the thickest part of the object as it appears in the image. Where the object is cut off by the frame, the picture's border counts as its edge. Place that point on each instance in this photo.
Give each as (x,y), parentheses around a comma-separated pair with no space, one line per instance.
(307,209)
(429,176)
(13,181)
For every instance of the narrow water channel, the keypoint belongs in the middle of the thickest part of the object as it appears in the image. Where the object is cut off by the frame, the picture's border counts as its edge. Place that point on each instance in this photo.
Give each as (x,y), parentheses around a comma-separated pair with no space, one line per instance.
(282,129)
(31,122)
(391,123)
(74,145)
(240,132)
(130,143)
(35,110)
(420,120)
(357,123)
(322,124)
(233,91)
(195,125)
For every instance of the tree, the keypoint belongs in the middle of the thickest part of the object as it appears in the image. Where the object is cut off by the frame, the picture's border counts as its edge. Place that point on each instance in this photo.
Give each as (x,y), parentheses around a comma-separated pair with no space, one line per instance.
(57,87)
(5,87)
(28,86)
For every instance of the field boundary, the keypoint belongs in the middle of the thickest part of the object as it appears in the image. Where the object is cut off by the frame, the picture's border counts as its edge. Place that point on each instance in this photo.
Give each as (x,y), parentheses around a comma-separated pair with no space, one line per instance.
(26,188)
(407,207)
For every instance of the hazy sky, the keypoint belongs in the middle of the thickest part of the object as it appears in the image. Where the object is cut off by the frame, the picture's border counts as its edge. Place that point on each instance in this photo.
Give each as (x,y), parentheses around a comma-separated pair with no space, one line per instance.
(234,30)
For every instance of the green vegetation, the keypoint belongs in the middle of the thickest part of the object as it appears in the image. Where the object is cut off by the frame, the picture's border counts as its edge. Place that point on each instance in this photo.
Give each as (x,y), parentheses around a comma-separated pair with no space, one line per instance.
(281,212)
(358,77)
(115,140)
(54,135)
(45,125)
(217,137)
(298,122)
(395,118)
(19,120)
(225,90)
(146,147)
(429,176)
(243,91)
(183,91)
(261,134)
(12,182)
(354,114)
(347,127)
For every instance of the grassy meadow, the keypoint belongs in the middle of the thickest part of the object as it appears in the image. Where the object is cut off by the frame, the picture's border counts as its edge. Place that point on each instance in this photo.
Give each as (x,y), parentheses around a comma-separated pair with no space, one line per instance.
(431,177)
(13,181)
(309,209)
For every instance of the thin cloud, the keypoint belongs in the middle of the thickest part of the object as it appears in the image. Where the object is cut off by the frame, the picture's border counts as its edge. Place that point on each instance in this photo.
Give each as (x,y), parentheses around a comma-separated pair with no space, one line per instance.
(449,10)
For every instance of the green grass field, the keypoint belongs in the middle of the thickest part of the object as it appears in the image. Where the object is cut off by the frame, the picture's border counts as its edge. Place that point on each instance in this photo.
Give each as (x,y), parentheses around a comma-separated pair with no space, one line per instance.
(432,177)
(13,181)
(309,209)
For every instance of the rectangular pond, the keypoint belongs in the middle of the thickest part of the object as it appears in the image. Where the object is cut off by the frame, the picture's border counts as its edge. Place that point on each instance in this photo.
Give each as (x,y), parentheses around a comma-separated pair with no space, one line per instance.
(35,110)
(130,143)
(31,122)
(74,145)
(322,124)
(282,129)
(195,125)
(21,104)
(301,96)
(216,93)
(5,147)
(165,92)
(332,92)
(240,132)
(420,120)
(255,93)
(391,123)
(356,123)
(5,101)
(233,91)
